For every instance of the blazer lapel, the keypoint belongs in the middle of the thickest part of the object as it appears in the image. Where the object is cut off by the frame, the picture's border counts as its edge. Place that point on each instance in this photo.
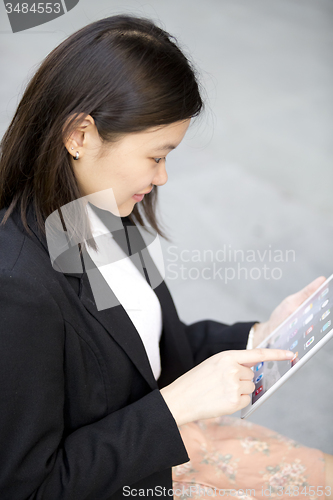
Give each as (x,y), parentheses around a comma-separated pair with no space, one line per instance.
(174,343)
(113,318)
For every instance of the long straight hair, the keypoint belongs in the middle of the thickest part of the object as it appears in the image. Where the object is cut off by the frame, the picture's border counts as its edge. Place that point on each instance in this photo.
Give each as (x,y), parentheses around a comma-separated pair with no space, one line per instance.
(124,71)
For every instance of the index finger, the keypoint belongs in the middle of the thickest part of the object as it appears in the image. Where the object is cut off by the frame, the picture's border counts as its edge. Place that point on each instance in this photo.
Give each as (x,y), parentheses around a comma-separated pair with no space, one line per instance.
(250,357)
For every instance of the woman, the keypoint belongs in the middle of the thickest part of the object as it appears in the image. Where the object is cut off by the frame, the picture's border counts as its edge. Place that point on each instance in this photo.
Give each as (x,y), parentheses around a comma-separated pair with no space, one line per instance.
(98,402)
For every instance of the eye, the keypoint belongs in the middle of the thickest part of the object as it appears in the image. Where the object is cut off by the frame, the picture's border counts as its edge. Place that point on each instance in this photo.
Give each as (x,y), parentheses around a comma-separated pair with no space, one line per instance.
(159,159)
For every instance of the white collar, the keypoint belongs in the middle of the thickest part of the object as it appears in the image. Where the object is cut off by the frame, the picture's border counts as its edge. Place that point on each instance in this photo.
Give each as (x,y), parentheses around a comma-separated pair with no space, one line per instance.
(97,226)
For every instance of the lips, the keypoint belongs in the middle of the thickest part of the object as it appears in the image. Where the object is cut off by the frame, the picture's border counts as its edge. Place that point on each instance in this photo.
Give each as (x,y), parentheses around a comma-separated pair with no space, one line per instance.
(138,197)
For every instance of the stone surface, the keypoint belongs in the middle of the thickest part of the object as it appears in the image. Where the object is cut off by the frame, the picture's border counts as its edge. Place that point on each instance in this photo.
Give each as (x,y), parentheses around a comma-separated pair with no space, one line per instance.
(254,173)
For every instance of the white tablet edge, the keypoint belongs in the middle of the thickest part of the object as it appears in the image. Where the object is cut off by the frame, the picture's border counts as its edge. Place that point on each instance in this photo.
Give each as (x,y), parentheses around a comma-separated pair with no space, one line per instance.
(245,412)
(250,408)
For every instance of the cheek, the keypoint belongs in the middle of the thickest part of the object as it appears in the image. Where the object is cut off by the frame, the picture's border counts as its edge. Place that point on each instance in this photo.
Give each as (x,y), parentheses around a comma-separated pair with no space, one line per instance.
(138,178)
(117,178)
(128,175)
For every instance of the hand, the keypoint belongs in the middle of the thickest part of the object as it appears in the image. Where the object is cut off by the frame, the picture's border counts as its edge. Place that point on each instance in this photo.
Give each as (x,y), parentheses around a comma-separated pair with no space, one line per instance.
(220,385)
(283,310)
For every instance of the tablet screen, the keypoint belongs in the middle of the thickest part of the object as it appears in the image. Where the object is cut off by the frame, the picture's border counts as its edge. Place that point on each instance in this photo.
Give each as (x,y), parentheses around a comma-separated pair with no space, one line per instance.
(300,333)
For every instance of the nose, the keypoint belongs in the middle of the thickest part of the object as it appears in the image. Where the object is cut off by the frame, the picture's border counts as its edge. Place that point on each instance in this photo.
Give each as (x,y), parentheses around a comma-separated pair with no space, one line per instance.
(161,175)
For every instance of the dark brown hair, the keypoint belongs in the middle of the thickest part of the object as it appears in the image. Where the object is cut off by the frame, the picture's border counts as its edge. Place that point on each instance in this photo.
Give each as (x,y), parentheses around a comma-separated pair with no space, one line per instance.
(125,72)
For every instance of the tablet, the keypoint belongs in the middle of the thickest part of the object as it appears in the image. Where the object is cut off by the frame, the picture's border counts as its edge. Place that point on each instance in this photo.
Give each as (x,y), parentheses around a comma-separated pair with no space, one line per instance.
(304,332)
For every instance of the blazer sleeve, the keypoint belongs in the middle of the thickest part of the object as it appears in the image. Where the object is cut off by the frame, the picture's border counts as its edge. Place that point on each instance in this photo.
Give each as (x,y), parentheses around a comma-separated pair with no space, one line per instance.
(39,462)
(208,337)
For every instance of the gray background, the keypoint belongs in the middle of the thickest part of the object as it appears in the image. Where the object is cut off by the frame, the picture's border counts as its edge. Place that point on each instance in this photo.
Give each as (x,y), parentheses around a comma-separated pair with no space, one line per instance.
(254,173)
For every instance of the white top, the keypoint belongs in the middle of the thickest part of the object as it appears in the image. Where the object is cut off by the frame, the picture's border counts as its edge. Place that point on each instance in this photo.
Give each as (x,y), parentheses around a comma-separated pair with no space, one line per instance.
(131,289)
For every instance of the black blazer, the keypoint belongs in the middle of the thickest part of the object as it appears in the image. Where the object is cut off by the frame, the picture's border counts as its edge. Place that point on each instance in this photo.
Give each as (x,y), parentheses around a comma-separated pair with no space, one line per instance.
(81,413)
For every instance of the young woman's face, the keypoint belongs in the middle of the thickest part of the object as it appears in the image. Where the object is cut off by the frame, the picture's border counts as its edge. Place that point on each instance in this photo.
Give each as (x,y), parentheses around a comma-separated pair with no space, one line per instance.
(132,165)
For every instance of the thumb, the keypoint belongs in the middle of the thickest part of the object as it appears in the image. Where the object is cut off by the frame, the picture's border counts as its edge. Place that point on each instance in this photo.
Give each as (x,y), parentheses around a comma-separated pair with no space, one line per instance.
(310,288)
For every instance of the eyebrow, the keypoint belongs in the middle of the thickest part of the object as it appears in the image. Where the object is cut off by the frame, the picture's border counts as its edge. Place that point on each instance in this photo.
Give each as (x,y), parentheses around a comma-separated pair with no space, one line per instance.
(166,147)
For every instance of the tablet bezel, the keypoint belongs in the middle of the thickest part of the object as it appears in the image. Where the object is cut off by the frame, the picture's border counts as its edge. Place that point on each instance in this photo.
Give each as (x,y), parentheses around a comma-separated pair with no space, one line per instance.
(250,408)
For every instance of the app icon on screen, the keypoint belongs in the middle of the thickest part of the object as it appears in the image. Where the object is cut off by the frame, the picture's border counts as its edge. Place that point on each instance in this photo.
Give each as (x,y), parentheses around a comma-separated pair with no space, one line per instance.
(324,303)
(259,378)
(293,334)
(309,342)
(308,319)
(293,323)
(326,325)
(307,309)
(326,313)
(293,345)
(258,390)
(325,292)
(295,359)
(259,366)
(309,330)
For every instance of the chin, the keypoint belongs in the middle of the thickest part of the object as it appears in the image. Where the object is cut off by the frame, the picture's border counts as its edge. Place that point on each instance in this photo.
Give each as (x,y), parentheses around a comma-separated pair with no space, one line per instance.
(124,212)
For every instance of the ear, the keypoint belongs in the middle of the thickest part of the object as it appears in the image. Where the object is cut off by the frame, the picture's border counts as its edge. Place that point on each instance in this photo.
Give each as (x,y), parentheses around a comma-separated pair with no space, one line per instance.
(75,140)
